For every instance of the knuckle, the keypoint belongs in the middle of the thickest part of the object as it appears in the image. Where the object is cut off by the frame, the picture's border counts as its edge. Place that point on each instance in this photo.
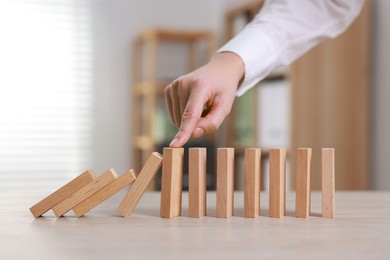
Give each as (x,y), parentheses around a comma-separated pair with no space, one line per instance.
(188,114)
(186,84)
(200,82)
(180,85)
(175,84)
(167,90)
(181,80)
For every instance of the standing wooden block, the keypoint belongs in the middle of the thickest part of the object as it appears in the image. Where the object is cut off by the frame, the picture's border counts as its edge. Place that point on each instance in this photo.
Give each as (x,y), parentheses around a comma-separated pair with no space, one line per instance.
(302,201)
(88,190)
(252,182)
(104,193)
(171,182)
(62,193)
(328,183)
(277,183)
(197,182)
(139,186)
(225,183)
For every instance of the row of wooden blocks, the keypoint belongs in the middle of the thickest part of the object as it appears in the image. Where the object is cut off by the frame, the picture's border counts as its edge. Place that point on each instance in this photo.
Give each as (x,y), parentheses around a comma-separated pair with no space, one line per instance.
(171,191)
(87,191)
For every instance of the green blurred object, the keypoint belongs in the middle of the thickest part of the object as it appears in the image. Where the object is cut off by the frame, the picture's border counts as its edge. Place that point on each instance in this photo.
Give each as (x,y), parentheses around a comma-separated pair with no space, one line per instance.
(245,121)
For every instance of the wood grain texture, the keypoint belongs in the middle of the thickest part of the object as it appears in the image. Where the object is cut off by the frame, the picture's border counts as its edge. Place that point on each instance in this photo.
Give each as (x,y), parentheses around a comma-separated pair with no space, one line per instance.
(197,182)
(277,183)
(323,116)
(171,182)
(360,231)
(328,183)
(62,193)
(225,183)
(302,201)
(105,193)
(88,190)
(252,182)
(139,186)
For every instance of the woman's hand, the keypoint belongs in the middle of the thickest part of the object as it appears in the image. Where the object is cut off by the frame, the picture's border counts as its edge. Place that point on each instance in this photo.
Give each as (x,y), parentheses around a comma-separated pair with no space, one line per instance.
(199,101)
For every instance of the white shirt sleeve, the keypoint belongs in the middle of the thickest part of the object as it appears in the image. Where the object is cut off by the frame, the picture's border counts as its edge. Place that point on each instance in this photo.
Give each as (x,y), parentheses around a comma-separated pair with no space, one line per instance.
(286,29)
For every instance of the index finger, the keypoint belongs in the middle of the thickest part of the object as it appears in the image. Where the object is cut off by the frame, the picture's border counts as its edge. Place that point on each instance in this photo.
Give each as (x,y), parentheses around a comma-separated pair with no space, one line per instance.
(190,117)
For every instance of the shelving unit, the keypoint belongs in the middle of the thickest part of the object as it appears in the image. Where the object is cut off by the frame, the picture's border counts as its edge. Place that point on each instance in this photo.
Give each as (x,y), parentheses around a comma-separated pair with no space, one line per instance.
(148,89)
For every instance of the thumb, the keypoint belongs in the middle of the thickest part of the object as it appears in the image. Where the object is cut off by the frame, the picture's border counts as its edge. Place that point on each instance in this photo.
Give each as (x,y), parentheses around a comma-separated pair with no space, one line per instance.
(211,122)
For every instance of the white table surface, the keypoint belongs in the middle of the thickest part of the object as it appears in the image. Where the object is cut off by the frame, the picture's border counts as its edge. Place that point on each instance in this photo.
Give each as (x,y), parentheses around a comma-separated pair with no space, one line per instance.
(361,230)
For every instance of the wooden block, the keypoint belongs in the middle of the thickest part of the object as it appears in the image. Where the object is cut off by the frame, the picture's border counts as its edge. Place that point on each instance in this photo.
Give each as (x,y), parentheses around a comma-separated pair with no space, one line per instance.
(328,183)
(139,186)
(85,192)
(302,201)
(197,182)
(277,183)
(62,193)
(225,183)
(252,182)
(171,182)
(105,193)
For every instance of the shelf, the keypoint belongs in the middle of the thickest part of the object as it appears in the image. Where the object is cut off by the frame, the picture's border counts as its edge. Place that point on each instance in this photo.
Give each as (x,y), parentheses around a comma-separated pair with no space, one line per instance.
(151,123)
(146,88)
(175,35)
(143,142)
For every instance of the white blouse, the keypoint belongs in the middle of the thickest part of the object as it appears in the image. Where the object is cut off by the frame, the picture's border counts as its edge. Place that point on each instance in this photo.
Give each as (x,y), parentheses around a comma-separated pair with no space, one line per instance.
(284,30)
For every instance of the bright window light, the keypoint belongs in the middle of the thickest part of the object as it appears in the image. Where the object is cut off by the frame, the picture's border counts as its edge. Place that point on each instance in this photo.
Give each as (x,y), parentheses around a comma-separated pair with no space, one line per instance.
(45,92)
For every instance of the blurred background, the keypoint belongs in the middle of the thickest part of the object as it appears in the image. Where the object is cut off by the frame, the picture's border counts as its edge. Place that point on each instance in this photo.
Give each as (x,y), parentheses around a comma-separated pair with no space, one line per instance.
(81,86)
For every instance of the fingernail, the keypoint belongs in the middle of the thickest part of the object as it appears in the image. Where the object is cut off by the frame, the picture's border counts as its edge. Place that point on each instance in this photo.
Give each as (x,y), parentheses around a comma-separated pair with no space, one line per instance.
(174,142)
(198,132)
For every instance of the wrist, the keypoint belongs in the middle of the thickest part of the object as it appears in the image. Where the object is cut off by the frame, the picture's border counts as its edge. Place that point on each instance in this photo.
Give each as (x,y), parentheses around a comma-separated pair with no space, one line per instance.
(232,62)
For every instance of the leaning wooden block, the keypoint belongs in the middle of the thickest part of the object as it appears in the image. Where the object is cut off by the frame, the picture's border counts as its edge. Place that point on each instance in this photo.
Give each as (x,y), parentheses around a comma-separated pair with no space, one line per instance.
(196,182)
(171,182)
(277,183)
(143,179)
(252,182)
(328,183)
(85,192)
(105,193)
(225,183)
(62,193)
(302,201)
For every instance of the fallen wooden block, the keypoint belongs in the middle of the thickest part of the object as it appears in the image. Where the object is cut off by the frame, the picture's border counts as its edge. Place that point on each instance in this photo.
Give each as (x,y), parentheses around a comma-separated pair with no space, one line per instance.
(225,183)
(139,186)
(252,182)
(105,193)
(328,183)
(277,183)
(197,182)
(302,201)
(171,182)
(62,193)
(88,190)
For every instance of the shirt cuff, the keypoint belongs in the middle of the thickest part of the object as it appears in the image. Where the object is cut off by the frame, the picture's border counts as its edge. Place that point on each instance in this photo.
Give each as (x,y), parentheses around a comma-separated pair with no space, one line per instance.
(258,53)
